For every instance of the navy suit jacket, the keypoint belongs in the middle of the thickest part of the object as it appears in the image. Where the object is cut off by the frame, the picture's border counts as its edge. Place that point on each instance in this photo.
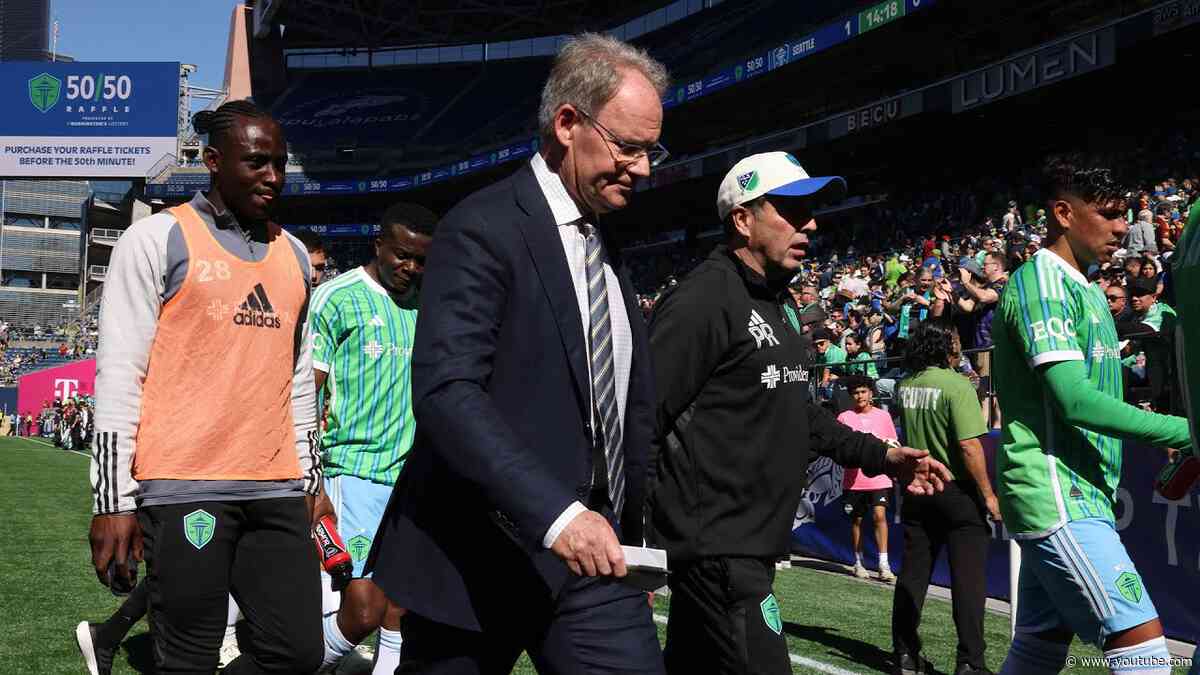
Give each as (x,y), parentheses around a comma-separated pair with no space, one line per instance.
(501,397)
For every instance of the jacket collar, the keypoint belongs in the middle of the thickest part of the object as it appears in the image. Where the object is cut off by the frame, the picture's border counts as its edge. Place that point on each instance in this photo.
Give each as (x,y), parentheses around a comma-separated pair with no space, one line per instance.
(755,283)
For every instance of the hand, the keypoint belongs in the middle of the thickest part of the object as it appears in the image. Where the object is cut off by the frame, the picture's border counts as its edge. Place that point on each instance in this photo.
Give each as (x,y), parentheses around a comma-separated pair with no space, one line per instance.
(923,474)
(319,507)
(964,275)
(993,507)
(589,547)
(115,537)
(650,599)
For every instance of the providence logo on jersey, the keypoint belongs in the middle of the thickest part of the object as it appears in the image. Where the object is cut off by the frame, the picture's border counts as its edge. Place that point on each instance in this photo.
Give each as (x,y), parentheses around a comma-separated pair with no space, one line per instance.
(257,310)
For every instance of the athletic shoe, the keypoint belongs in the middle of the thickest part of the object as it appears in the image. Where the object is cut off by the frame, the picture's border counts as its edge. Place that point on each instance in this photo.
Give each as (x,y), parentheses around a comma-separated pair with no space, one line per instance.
(1175,480)
(968,669)
(97,657)
(229,650)
(886,576)
(907,664)
(861,572)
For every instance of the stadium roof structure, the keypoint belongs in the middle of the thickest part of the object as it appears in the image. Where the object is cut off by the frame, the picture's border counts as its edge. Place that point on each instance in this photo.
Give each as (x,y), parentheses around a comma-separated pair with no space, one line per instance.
(385,23)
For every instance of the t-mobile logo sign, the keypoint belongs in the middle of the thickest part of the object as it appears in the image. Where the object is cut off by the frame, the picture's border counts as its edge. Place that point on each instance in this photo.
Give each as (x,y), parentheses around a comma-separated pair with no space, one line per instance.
(65,389)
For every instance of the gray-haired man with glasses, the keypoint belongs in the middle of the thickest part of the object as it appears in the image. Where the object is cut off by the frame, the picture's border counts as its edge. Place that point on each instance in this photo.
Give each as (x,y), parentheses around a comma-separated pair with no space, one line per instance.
(533,395)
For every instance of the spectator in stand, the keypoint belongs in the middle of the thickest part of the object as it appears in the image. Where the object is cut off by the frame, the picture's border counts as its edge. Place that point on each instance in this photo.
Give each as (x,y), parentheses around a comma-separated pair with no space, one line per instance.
(864,494)
(981,293)
(1012,217)
(940,413)
(1153,329)
(1141,234)
(1118,303)
(860,361)
(913,304)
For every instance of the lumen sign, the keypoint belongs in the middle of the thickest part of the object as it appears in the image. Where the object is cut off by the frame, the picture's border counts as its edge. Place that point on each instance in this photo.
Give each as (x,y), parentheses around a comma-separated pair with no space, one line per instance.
(1053,63)
(87,119)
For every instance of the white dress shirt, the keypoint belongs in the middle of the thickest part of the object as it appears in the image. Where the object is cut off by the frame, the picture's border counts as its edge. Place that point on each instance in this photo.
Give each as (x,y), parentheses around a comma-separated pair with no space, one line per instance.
(567,217)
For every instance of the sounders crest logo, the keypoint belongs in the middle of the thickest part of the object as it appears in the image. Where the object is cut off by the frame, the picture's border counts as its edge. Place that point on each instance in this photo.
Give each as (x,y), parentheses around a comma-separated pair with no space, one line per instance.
(360,546)
(44,91)
(198,527)
(748,181)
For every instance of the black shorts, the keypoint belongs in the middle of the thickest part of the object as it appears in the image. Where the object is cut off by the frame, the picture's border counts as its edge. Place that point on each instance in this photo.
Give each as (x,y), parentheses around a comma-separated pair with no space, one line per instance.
(858,503)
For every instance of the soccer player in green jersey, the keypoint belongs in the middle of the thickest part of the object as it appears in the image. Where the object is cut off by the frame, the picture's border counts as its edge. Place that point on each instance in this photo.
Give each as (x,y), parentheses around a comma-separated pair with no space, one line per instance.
(1058,377)
(362,326)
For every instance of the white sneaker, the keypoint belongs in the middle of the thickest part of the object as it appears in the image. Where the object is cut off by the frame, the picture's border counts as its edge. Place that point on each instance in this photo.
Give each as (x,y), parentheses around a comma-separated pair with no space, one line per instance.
(229,650)
(886,576)
(861,572)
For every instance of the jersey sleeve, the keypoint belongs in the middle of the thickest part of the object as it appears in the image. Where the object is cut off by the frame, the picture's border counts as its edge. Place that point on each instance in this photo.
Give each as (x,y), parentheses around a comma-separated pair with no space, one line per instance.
(1040,312)
(325,324)
(129,313)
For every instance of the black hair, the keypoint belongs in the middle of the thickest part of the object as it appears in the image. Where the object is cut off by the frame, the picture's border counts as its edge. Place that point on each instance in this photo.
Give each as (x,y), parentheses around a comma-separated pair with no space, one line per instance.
(929,346)
(852,382)
(218,123)
(311,240)
(417,218)
(1077,175)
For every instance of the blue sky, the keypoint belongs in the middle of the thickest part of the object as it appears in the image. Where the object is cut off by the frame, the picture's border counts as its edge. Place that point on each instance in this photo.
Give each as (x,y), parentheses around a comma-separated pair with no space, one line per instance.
(188,31)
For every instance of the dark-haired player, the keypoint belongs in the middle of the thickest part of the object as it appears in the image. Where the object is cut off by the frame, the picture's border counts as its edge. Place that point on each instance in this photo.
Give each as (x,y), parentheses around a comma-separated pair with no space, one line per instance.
(316,254)
(362,325)
(1058,378)
(204,441)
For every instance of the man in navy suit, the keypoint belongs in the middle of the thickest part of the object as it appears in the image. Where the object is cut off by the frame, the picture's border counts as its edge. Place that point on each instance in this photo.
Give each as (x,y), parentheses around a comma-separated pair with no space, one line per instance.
(533,395)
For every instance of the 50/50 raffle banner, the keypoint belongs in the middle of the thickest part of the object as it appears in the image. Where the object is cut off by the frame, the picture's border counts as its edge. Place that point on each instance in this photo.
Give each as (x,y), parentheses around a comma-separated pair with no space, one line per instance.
(87,119)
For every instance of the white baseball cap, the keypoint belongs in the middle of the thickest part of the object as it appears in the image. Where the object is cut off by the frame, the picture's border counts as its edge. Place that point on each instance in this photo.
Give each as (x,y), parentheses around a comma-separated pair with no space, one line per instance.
(772,173)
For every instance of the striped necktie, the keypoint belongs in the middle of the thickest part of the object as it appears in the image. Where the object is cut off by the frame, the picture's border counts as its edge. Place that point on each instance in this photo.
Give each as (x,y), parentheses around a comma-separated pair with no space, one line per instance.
(604,389)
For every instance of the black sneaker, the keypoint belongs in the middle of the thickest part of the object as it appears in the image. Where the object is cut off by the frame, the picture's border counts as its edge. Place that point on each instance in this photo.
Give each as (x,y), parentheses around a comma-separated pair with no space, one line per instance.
(96,656)
(907,664)
(968,669)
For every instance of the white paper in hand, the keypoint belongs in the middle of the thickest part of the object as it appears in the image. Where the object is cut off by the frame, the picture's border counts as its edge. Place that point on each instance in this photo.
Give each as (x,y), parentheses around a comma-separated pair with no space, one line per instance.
(647,568)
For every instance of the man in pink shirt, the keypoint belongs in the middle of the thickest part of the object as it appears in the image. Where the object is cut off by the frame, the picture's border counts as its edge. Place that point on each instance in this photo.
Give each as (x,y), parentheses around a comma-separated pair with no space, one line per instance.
(859,492)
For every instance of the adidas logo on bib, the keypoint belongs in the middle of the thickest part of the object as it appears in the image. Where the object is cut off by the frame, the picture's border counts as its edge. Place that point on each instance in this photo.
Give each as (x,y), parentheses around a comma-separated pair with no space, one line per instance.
(257,311)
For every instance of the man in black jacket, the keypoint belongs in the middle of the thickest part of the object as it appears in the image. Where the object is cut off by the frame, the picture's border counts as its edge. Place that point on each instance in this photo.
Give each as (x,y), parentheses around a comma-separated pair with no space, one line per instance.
(735,425)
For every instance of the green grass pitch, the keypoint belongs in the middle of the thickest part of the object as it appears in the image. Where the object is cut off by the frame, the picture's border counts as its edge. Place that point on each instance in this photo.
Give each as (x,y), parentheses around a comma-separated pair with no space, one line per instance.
(832,619)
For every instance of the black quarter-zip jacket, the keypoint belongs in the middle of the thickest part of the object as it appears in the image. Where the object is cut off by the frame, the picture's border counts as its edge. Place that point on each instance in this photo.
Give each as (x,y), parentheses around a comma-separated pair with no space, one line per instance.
(735,425)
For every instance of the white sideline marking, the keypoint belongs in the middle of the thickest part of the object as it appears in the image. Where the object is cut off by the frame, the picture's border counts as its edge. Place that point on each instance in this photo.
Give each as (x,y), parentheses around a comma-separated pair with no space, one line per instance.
(49,445)
(819,666)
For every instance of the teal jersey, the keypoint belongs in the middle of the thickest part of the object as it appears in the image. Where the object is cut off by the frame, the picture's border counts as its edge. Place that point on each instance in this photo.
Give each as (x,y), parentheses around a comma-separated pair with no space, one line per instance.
(1154,315)
(1049,472)
(363,340)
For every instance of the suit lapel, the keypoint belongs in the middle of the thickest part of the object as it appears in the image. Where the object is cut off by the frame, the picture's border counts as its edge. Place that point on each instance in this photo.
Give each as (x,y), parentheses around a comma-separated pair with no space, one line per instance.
(550,261)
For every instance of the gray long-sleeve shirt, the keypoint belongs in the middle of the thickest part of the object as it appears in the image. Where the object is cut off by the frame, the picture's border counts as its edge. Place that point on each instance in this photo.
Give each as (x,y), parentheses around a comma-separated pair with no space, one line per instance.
(147,268)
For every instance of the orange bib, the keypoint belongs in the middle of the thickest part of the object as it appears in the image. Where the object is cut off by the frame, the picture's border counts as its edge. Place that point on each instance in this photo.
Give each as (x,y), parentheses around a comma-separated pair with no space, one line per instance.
(217,400)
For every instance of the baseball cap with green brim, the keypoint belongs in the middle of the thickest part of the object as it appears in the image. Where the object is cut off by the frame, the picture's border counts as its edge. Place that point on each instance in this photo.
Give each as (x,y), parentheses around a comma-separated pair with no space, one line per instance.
(773,173)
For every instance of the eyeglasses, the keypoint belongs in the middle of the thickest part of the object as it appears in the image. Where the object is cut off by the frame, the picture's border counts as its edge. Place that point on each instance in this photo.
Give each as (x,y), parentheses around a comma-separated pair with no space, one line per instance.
(628,152)
(1114,298)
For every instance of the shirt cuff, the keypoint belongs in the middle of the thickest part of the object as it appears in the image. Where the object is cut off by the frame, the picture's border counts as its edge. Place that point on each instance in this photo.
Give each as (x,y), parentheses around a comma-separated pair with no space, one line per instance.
(561,523)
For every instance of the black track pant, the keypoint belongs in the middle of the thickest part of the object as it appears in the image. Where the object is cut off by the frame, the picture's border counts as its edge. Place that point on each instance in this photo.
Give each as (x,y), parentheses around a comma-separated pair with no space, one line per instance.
(954,519)
(258,550)
(724,619)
